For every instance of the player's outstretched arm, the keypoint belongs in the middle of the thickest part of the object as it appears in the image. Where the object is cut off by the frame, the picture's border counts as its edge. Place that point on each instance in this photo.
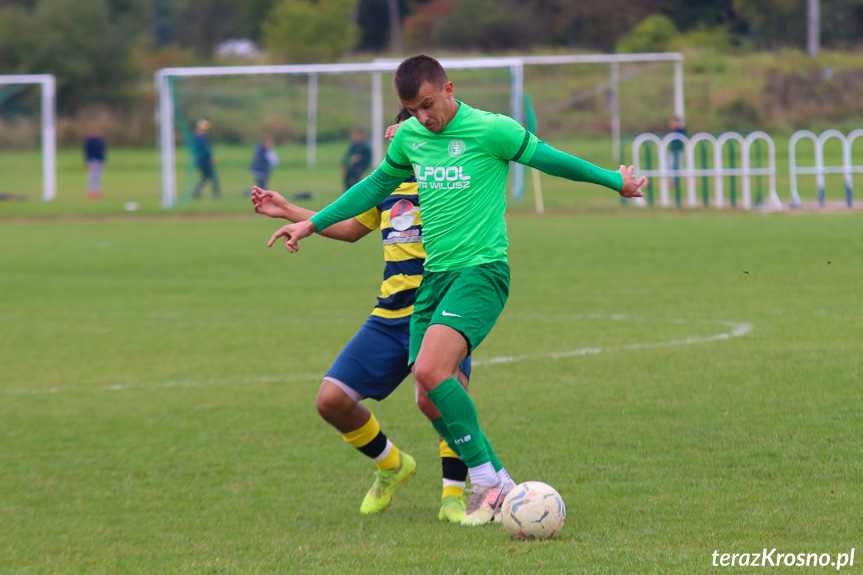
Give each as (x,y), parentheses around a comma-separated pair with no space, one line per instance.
(556,163)
(273,204)
(292,234)
(631,184)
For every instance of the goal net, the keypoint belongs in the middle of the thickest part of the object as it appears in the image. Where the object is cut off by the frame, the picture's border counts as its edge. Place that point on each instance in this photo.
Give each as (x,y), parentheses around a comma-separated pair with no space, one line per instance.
(310,111)
(588,104)
(27,119)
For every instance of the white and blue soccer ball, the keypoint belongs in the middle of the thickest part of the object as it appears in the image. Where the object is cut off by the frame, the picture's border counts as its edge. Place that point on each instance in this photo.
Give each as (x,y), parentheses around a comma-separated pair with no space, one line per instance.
(533,510)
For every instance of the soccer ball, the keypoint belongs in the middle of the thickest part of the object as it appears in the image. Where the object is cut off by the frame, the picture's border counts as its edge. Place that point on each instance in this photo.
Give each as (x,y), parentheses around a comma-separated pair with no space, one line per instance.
(533,510)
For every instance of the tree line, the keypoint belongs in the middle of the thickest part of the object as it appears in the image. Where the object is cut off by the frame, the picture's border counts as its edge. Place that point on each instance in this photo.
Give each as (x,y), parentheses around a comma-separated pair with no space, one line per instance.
(105,51)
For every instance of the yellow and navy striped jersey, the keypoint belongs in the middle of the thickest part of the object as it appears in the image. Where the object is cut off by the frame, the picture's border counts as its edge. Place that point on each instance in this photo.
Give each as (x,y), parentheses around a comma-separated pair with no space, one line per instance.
(398,218)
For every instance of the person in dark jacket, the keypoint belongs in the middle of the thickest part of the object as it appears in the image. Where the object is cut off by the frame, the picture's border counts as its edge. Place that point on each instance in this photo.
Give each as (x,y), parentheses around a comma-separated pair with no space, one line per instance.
(204,160)
(264,161)
(357,159)
(95,156)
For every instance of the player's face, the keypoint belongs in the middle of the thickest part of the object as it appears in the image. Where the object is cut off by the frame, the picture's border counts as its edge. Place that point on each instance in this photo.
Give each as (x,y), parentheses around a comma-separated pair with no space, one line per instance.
(434,106)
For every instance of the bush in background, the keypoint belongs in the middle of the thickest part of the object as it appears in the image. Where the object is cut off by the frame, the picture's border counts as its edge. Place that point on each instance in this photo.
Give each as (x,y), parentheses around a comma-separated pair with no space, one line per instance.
(654,34)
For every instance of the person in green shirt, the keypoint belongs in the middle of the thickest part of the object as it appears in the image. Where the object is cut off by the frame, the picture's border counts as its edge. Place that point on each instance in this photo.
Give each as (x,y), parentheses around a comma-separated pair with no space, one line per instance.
(357,158)
(460,156)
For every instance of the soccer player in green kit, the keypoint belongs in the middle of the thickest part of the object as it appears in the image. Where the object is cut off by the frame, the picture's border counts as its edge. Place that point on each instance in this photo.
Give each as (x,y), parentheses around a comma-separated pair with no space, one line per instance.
(460,157)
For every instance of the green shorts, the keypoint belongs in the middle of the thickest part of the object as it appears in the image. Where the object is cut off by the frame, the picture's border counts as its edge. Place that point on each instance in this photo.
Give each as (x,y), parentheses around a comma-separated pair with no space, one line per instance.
(469,300)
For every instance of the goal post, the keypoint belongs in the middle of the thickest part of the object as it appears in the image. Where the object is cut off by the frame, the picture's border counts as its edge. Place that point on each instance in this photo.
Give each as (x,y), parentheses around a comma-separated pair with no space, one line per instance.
(166,112)
(48,86)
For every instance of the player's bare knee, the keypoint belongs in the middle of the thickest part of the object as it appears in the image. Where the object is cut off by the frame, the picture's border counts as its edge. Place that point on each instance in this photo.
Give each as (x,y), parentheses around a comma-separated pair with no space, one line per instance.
(326,409)
(332,403)
(428,375)
(427,407)
(462,378)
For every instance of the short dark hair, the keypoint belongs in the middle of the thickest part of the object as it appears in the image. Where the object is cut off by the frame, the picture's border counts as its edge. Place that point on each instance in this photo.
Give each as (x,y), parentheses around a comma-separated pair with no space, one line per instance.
(403,115)
(415,70)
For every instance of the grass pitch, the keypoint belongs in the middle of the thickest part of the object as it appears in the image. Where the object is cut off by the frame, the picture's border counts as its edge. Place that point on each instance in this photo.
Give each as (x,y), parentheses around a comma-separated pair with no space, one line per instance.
(688,381)
(132,175)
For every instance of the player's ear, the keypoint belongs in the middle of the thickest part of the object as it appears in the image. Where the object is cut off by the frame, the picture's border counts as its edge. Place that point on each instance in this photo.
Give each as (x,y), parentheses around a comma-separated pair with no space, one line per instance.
(448,89)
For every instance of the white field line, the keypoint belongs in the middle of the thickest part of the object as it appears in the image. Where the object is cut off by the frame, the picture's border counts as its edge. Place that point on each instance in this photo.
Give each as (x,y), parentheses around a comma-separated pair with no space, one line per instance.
(170,384)
(737,330)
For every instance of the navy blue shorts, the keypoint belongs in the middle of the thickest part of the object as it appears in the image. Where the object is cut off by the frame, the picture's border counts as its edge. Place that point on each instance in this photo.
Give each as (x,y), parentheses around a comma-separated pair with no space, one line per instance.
(375,361)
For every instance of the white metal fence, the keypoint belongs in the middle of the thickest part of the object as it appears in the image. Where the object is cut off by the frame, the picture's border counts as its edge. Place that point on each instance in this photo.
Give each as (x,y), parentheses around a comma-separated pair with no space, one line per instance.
(678,164)
(847,168)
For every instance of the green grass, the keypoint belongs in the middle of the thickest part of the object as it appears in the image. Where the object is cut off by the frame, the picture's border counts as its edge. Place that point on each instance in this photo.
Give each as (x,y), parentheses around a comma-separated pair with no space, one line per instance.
(159,374)
(132,175)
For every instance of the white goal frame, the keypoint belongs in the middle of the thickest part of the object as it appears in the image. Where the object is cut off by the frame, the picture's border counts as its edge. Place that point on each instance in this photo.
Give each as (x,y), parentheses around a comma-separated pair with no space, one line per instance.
(165,104)
(516,65)
(49,127)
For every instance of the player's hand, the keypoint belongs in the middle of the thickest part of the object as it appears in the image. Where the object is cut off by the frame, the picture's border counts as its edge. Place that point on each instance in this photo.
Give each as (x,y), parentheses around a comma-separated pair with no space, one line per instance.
(631,184)
(292,234)
(269,203)
(391,131)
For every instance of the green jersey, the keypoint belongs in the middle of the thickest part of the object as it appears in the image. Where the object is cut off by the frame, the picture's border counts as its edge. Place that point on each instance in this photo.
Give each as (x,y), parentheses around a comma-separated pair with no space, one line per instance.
(461,176)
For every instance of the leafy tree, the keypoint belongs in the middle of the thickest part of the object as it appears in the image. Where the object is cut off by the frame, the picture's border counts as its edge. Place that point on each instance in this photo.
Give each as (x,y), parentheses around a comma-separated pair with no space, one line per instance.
(596,25)
(162,22)
(16,40)
(479,24)
(698,14)
(28,4)
(254,15)
(842,23)
(420,26)
(373,18)
(488,25)
(716,39)
(85,43)
(204,24)
(310,30)
(774,23)
(654,34)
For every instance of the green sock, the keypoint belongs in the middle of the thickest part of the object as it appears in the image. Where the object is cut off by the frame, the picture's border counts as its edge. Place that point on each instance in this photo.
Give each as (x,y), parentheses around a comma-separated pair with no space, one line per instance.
(492,455)
(443,431)
(459,414)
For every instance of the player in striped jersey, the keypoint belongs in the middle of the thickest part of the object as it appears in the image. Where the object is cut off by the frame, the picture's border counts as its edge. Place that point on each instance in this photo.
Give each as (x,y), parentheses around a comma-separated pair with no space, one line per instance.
(375,361)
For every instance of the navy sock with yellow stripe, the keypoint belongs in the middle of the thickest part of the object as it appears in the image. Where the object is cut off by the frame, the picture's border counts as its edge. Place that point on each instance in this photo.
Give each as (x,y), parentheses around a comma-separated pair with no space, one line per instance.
(454,472)
(371,442)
